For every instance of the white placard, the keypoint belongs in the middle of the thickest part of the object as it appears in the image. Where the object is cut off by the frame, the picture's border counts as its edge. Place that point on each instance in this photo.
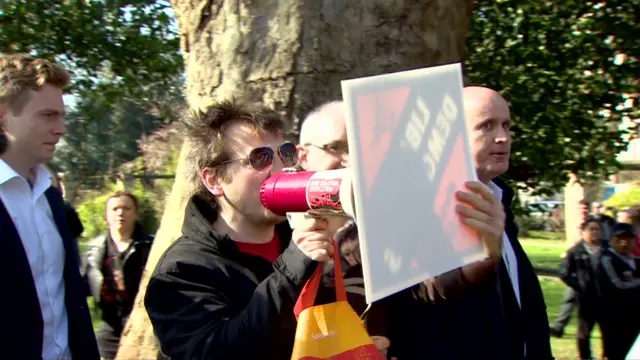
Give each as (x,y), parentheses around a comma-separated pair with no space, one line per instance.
(409,149)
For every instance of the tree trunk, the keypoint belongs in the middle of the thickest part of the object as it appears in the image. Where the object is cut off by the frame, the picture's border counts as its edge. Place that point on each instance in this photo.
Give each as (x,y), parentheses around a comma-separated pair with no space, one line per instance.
(292,55)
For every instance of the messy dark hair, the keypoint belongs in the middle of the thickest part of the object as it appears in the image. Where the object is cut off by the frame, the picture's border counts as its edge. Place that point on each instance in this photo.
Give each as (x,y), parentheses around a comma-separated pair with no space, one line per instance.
(206,136)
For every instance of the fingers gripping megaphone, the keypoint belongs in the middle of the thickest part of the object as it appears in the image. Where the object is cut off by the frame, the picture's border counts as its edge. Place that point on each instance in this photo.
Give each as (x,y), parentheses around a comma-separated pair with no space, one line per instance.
(327,194)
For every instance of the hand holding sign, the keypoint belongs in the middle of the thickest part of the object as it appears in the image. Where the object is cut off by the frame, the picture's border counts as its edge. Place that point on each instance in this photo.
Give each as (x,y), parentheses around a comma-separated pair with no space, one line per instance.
(485,214)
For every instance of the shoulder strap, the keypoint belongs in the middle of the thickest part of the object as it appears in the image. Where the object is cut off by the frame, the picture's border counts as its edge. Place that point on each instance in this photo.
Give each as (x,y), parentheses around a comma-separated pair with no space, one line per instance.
(307,297)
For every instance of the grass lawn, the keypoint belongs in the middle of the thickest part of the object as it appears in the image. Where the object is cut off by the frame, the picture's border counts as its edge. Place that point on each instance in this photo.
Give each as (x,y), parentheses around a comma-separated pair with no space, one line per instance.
(545,250)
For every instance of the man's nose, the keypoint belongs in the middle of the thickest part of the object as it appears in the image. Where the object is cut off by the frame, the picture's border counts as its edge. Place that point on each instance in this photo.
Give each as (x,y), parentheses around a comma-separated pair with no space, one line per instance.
(59,128)
(503,135)
(277,165)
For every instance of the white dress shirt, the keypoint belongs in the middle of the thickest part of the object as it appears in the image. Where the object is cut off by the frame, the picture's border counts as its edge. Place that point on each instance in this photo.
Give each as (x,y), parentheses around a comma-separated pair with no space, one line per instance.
(33,219)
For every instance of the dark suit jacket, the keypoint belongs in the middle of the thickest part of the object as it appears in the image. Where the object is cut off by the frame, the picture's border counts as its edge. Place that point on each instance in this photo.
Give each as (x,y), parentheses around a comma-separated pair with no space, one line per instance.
(578,271)
(21,324)
(484,323)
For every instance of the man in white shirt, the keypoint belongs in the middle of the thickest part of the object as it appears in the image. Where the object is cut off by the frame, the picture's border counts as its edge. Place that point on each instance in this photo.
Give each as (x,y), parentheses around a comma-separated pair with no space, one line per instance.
(45,313)
(501,313)
(522,303)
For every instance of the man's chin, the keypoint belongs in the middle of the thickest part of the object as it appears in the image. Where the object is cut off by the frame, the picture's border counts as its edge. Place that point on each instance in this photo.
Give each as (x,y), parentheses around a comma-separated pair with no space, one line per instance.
(274,218)
(492,171)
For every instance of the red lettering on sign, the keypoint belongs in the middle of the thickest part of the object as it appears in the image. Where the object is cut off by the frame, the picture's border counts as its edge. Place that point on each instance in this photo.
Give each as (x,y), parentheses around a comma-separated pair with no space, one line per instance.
(445,202)
(378,117)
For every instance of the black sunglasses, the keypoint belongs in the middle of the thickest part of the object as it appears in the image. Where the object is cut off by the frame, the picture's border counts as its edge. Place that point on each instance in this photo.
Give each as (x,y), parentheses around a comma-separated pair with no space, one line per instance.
(262,158)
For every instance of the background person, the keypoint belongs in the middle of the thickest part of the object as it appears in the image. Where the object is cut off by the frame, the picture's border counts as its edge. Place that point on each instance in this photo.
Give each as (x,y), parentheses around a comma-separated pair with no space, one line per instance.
(115,263)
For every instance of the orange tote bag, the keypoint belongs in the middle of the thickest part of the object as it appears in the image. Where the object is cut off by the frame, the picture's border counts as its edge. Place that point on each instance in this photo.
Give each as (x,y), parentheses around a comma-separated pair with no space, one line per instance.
(332,331)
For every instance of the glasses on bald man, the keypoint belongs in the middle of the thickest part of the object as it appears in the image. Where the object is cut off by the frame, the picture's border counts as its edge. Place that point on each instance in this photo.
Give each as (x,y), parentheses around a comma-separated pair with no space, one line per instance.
(338,147)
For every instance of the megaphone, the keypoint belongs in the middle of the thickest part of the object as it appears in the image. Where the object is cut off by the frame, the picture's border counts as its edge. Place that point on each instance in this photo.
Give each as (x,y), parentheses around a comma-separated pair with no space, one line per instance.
(318,193)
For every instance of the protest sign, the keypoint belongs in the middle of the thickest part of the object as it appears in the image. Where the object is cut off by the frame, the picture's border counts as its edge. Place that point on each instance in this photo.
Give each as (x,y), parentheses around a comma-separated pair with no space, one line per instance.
(410,153)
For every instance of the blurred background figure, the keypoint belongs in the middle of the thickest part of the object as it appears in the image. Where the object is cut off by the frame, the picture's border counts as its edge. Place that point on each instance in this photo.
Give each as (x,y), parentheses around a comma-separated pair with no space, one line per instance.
(73,220)
(556,329)
(600,212)
(578,273)
(114,265)
(619,282)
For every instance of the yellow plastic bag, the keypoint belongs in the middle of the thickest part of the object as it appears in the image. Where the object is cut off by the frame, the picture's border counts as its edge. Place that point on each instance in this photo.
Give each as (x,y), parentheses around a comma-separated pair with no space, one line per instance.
(332,331)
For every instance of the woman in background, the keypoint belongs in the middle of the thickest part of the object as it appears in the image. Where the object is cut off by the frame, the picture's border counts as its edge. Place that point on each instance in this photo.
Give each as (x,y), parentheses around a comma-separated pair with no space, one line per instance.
(114,265)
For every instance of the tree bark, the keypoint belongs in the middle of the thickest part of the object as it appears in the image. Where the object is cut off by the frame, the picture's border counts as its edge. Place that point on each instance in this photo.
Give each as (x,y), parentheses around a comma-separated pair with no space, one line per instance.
(292,55)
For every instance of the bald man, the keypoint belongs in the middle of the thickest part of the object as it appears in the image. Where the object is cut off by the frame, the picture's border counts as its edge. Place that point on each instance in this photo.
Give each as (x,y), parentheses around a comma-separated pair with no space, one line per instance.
(502,316)
(323,138)
(489,121)
(323,146)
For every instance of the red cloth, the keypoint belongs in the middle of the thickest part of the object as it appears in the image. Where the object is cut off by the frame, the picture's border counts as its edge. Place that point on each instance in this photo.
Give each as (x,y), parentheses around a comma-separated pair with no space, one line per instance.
(269,251)
(636,252)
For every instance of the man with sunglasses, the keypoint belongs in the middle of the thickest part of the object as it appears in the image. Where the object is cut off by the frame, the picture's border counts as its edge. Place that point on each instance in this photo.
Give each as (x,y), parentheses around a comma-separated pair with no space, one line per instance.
(227,287)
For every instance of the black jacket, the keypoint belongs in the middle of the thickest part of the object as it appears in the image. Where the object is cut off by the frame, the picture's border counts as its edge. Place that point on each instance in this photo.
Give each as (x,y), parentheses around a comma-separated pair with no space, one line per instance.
(133,260)
(578,271)
(619,284)
(485,323)
(207,300)
(21,323)
(73,221)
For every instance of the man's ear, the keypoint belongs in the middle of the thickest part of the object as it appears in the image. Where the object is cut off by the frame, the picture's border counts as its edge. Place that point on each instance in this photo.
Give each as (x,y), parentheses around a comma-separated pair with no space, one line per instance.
(212,181)
(302,156)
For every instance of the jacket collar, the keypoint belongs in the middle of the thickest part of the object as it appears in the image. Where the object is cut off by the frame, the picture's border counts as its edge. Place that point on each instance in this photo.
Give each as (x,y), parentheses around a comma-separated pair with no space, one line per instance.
(199,216)
(138,234)
(41,181)
(507,191)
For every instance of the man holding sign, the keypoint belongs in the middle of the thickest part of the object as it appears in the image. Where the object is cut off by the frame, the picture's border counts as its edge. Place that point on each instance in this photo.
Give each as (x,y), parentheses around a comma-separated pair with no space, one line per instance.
(504,315)
(323,146)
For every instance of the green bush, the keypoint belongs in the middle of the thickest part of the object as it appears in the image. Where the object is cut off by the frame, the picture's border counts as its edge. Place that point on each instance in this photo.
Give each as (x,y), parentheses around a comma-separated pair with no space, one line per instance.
(626,198)
(92,211)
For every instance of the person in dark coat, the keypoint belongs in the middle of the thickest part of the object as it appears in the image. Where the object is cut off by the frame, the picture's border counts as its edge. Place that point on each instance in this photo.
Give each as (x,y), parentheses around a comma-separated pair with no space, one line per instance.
(226,288)
(73,220)
(578,271)
(569,298)
(619,281)
(115,262)
(44,310)
(503,315)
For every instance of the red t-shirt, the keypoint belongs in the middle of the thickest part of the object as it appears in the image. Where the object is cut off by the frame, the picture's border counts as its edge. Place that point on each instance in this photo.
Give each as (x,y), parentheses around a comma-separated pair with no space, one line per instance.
(269,251)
